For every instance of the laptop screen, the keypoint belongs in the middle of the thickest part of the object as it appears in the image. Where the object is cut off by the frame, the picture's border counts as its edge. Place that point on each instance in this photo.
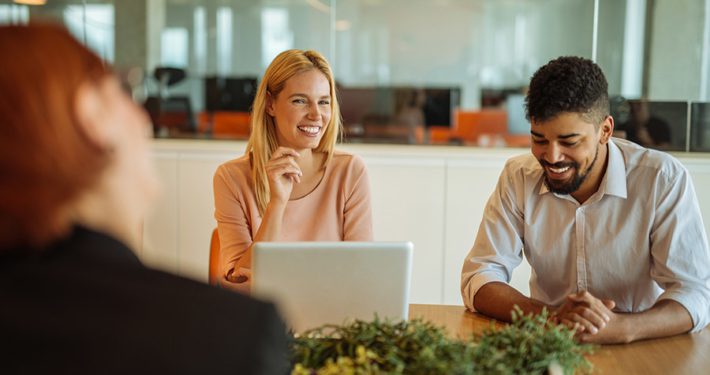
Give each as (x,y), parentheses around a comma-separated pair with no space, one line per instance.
(317,283)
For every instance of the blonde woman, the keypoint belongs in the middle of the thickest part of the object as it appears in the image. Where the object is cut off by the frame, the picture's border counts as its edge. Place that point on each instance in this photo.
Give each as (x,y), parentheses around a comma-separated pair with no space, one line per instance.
(291,184)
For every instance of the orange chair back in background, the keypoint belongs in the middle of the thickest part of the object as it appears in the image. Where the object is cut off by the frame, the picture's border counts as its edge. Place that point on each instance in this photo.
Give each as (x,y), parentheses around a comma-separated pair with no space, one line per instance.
(469,126)
(439,134)
(226,123)
(214,271)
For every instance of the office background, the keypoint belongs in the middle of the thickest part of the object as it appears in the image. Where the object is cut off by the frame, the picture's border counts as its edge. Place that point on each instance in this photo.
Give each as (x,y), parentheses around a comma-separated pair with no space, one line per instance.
(656,50)
(486,49)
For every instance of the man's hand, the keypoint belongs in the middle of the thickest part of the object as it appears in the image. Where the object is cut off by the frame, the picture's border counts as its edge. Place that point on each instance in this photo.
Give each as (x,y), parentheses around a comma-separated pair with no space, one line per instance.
(593,319)
(615,332)
(584,313)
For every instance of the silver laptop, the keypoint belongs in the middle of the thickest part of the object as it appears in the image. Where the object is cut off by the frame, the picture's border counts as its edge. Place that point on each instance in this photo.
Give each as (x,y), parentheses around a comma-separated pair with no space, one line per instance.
(316,283)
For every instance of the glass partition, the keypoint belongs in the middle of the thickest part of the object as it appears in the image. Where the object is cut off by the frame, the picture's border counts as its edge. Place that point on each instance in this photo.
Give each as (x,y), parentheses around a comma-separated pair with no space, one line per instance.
(408,71)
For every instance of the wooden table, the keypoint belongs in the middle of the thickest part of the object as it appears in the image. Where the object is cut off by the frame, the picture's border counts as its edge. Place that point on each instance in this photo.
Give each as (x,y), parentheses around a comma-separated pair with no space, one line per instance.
(682,354)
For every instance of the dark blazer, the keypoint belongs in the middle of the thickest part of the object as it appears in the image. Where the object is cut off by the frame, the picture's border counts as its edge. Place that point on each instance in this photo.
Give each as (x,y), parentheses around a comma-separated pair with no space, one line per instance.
(87,305)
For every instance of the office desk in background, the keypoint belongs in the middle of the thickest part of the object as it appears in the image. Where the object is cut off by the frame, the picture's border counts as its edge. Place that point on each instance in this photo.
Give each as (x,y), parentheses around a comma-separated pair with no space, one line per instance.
(682,354)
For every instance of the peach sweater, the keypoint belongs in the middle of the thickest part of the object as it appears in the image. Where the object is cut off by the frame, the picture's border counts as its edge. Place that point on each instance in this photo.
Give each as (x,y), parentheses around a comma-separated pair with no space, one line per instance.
(338,209)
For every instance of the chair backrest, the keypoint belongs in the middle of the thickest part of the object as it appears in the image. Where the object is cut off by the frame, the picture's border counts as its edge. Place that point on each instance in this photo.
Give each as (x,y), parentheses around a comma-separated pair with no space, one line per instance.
(174,112)
(231,123)
(469,125)
(214,271)
(439,134)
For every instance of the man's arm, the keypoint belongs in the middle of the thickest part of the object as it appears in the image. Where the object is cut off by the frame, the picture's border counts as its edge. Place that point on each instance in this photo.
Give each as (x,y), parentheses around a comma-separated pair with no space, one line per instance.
(497,249)
(679,250)
(580,311)
(497,300)
(665,318)
(590,315)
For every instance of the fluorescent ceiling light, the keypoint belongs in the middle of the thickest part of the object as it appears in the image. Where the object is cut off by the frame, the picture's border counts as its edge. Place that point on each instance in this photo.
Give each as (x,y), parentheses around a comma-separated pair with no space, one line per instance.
(342,25)
(31,2)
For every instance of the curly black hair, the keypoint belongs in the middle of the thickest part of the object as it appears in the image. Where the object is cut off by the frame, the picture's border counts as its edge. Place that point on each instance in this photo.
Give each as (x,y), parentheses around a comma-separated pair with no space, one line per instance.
(568,84)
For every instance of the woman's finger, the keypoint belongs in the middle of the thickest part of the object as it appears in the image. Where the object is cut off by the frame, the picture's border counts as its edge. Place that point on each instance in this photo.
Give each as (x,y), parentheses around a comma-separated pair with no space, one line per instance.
(283,152)
(284,169)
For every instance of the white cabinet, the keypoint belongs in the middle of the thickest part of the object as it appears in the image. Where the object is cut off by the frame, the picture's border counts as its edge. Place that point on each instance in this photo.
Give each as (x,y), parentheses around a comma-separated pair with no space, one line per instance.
(160,229)
(176,234)
(408,205)
(196,211)
(432,196)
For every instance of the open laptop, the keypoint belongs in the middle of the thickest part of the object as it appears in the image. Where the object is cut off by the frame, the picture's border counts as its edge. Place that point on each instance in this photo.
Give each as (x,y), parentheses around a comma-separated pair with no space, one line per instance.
(316,283)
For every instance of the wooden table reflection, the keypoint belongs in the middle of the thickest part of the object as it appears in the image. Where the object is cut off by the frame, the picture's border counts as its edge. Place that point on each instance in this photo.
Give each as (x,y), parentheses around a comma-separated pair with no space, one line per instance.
(682,354)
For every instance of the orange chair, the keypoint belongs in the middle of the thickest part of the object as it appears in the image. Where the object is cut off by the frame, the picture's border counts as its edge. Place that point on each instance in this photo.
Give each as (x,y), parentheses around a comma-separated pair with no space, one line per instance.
(214,271)
(225,123)
(517,140)
(469,126)
(231,123)
(439,134)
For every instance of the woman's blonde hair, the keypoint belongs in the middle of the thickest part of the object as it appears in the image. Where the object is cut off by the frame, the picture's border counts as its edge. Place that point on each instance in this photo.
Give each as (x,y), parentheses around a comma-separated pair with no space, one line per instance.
(262,141)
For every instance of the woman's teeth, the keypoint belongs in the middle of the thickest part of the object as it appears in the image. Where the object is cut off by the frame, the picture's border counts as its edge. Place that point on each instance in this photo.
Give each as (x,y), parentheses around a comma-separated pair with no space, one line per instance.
(309,129)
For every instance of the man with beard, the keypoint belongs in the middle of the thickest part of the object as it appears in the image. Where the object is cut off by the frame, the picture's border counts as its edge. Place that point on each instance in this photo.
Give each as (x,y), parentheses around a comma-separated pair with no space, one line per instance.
(612,230)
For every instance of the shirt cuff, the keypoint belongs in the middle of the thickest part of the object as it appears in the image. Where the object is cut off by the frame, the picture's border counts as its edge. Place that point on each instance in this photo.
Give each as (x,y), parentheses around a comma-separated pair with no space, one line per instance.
(477,282)
(696,305)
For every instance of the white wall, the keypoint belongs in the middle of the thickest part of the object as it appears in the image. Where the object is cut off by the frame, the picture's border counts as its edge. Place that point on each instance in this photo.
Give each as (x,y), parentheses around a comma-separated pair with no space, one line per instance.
(432,196)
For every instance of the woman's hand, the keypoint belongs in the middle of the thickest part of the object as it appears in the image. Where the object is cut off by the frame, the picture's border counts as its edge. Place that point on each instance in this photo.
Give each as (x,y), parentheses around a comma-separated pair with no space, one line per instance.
(282,171)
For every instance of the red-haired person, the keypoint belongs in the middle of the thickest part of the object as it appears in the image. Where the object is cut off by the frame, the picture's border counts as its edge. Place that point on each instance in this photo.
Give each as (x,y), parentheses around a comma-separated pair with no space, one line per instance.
(76,178)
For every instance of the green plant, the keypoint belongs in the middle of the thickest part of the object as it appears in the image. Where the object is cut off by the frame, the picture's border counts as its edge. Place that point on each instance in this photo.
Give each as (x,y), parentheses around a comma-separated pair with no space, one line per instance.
(530,344)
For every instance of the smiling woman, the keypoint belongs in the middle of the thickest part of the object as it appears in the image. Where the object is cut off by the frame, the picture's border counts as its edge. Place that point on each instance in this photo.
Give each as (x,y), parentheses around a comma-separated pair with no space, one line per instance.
(291,184)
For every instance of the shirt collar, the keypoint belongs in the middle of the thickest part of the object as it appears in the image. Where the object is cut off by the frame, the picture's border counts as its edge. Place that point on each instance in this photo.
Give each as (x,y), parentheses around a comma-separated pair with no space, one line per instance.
(614,180)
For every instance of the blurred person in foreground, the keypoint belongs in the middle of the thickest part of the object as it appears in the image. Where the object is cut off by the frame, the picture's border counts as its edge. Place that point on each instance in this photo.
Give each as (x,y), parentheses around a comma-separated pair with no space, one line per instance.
(76,181)
(612,230)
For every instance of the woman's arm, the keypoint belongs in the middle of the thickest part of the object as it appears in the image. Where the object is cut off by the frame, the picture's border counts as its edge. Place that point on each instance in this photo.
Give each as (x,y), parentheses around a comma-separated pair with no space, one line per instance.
(232,220)
(357,215)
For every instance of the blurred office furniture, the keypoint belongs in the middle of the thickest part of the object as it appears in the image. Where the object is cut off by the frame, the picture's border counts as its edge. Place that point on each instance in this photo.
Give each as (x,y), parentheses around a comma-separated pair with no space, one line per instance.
(440,104)
(654,124)
(396,113)
(486,127)
(169,112)
(492,127)
(214,272)
(497,97)
(700,126)
(228,102)
(225,124)
(234,94)
(439,134)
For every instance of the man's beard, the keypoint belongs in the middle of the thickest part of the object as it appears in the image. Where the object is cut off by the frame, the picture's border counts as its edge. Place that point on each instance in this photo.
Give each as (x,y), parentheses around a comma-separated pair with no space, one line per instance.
(571,185)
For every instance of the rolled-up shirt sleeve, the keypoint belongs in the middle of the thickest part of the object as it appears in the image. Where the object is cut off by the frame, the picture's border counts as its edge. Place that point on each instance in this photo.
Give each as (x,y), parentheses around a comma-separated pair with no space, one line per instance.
(679,248)
(497,249)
